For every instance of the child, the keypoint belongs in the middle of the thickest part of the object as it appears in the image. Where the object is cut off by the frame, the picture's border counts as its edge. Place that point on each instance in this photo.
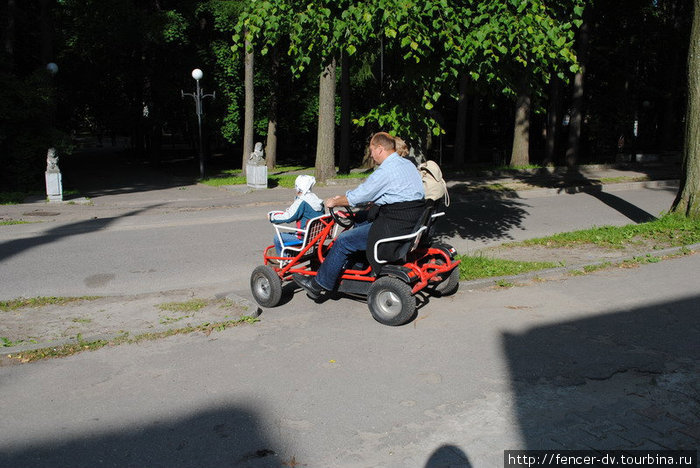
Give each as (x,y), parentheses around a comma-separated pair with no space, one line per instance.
(306,206)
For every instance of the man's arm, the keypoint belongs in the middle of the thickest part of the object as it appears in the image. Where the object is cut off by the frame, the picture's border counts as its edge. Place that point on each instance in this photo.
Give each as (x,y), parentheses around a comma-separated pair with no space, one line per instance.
(338,200)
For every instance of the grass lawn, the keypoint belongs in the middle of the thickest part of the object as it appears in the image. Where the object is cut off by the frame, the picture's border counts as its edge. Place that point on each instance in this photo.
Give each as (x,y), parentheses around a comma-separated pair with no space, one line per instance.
(671,230)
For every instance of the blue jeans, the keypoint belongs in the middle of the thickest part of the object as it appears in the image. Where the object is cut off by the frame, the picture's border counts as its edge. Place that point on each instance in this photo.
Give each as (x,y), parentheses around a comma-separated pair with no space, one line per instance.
(353,240)
(289,238)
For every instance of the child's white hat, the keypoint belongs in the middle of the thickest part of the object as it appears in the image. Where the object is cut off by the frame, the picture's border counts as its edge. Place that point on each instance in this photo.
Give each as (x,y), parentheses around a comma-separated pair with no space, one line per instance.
(304,183)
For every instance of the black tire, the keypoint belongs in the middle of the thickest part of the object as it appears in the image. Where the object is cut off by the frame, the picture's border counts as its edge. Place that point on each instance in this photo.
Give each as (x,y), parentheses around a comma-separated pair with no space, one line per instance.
(266,286)
(450,285)
(391,302)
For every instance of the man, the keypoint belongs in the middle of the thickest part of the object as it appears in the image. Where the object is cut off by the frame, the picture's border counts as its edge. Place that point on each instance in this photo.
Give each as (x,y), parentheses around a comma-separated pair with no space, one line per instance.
(396,189)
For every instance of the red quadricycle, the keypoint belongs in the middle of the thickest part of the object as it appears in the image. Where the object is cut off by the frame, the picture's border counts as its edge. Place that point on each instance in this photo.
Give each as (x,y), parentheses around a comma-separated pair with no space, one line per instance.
(425,266)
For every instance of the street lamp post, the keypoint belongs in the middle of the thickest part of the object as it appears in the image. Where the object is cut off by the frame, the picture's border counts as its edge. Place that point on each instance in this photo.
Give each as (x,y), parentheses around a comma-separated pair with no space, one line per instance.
(198,96)
(54,183)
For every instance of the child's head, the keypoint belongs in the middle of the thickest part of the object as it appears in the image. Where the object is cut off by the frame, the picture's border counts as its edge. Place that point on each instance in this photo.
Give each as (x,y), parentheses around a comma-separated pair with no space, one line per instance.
(401,147)
(304,183)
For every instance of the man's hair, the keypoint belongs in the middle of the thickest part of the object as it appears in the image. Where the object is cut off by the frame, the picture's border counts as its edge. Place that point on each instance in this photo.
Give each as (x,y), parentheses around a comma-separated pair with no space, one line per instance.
(384,140)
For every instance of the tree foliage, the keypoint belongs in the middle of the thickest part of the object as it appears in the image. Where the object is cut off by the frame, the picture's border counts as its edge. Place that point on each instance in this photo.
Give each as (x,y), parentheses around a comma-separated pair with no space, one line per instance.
(123,63)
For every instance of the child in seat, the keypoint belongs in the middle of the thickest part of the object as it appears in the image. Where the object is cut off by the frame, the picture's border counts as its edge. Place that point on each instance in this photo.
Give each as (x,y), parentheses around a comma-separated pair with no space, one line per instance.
(306,205)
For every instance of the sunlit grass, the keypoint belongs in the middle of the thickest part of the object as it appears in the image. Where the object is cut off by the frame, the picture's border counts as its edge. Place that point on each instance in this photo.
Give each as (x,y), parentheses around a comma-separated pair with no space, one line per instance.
(671,230)
(475,267)
(278,177)
(21,303)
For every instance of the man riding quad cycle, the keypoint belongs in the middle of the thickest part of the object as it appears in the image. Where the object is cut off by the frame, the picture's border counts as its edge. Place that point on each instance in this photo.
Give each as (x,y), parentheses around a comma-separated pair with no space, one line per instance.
(399,261)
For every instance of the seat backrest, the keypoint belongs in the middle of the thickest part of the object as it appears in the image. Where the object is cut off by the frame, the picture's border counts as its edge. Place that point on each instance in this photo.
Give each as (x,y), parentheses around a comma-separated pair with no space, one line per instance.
(313,228)
(411,244)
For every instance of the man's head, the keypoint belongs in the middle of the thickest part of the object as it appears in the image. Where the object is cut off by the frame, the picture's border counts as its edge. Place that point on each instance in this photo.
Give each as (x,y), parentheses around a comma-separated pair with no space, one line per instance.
(381,146)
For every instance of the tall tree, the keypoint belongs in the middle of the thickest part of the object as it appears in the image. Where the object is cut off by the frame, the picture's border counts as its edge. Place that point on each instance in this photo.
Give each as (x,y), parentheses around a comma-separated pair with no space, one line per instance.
(576,119)
(688,198)
(553,119)
(9,36)
(272,114)
(249,115)
(325,142)
(461,130)
(345,115)
(520,156)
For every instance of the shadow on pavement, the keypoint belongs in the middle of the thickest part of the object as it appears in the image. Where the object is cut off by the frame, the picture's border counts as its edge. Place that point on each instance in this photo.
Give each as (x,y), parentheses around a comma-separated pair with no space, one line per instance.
(625,380)
(16,246)
(218,437)
(448,456)
(623,207)
(487,219)
(97,174)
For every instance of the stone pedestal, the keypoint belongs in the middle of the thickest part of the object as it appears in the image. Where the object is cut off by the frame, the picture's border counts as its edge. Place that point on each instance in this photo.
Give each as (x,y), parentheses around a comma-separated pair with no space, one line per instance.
(54,186)
(256,176)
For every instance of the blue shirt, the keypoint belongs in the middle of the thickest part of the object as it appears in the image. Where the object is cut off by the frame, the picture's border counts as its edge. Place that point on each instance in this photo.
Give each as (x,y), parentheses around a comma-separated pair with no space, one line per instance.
(395,180)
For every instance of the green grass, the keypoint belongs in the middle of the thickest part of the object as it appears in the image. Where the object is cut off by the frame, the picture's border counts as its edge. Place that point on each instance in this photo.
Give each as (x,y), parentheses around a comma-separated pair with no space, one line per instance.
(671,230)
(475,267)
(12,198)
(276,178)
(15,198)
(7,343)
(12,222)
(83,345)
(189,306)
(21,303)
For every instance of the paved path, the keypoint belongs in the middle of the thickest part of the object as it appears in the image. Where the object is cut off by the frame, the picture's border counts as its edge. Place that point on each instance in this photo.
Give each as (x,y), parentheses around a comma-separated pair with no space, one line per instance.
(604,361)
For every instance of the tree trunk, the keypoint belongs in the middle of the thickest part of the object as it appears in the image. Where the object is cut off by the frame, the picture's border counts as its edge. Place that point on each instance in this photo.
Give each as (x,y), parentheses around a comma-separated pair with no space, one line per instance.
(553,119)
(325,142)
(461,130)
(474,129)
(688,198)
(344,157)
(249,115)
(520,155)
(46,50)
(271,144)
(576,119)
(10,30)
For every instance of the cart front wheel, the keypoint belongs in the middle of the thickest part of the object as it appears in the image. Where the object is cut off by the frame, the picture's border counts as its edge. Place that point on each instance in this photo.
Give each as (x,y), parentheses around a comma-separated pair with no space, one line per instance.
(266,286)
(390,301)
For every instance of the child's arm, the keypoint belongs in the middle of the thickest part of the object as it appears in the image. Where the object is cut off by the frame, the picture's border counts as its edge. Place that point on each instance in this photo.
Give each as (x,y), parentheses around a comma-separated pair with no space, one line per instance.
(293,213)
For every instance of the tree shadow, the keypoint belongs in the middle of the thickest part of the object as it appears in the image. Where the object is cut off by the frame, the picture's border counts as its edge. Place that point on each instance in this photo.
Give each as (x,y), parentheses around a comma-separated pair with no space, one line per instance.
(567,180)
(14,247)
(98,174)
(218,437)
(482,217)
(624,380)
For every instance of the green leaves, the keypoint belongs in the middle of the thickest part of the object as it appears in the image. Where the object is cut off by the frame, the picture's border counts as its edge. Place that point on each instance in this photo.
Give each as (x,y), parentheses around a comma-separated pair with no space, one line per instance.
(435,40)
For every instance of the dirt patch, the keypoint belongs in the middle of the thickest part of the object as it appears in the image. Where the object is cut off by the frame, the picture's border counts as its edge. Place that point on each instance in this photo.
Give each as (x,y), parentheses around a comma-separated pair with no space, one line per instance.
(108,317)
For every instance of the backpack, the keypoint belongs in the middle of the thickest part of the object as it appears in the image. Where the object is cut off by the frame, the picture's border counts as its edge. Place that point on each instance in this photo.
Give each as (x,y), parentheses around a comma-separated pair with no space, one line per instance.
(433,183)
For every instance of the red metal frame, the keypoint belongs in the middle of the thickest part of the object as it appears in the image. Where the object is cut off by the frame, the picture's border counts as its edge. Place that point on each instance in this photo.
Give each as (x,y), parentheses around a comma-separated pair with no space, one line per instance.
(425,264)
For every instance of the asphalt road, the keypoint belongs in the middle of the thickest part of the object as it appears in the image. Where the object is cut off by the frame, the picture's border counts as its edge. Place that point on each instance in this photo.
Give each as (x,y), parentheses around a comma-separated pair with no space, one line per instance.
(144,248)
(603,361)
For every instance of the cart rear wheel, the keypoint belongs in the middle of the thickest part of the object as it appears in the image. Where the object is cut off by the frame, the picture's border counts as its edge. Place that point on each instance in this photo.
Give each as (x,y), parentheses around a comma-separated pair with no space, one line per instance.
(266,286)
(391,302)
(449,285)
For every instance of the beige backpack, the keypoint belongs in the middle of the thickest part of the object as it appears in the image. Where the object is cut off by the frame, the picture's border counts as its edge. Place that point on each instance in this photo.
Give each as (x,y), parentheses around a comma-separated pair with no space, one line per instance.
(433,183)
